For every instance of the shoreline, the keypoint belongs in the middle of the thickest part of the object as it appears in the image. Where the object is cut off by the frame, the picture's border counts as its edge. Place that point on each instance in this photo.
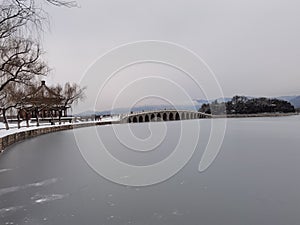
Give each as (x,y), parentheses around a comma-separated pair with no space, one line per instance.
(255,115)
(16,135)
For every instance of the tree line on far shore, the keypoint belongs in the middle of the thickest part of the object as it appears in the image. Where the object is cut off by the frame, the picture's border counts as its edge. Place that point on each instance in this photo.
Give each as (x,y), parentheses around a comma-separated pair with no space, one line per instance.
(22,66)
(244,105)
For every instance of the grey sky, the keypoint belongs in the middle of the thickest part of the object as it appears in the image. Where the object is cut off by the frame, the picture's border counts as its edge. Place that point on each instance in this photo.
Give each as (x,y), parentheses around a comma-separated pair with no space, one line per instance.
(252,45)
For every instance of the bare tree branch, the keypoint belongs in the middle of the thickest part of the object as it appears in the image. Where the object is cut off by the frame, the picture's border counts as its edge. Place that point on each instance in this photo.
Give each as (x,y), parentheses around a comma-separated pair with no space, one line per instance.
(63,3)
(20,61)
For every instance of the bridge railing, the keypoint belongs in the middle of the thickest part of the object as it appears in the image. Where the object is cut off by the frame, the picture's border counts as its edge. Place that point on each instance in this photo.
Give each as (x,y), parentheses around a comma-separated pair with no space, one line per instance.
(126,115)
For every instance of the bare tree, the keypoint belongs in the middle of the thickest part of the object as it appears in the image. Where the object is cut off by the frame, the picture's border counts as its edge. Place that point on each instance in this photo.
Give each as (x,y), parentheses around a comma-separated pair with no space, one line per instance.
(11,98)
(20,62)
(17,16)
(19,51)
(4,103)
(21,22)
(62,3)
(72,93)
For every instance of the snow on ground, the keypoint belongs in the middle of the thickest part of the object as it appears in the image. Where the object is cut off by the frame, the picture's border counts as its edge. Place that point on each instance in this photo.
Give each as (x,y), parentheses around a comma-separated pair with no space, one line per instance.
(13,127)
(110,118)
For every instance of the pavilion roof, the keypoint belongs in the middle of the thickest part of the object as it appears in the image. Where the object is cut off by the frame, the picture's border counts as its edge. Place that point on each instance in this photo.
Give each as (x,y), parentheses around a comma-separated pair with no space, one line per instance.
(44,96)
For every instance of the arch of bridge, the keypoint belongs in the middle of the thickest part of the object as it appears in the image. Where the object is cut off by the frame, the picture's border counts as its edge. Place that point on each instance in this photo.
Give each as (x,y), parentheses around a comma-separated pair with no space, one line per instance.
(163,116)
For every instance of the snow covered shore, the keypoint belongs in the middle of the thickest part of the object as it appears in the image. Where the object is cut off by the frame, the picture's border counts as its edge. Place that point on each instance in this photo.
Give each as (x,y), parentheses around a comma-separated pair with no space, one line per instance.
(32,125)
(13,135)
(14,129)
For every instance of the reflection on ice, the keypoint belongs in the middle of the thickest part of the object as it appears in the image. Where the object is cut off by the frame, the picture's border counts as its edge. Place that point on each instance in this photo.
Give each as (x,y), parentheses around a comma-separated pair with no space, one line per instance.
(111,204)
(42,183)
(4,170)
(177,213)
(11,209)
(4,191)
(47,198)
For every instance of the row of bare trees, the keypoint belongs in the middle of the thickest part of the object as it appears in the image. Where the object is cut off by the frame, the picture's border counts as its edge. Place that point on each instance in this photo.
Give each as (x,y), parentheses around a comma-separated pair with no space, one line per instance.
(21,62)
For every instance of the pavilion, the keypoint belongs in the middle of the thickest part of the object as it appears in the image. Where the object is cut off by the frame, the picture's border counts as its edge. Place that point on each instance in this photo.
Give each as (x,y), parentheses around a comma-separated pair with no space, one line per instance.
(43,103)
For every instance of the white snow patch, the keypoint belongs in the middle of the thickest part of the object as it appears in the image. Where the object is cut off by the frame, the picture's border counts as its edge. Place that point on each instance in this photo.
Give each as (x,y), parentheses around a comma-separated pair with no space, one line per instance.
(4,211)
(7,190)
(14,129)
(4,170)
(47,198)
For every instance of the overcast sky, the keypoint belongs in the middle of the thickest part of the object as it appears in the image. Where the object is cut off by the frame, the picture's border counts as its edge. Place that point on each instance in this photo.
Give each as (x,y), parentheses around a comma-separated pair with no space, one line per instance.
(253,46)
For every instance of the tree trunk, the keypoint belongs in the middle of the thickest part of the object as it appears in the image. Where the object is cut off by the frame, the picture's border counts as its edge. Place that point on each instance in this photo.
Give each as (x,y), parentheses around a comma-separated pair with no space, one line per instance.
(59,116)
(5,119)
(52,120)
(37,117)
(18,117)
(27,119)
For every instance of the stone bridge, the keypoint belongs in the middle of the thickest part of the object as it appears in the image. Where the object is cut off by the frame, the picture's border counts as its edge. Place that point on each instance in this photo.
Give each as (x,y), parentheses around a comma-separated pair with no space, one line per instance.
(162,115)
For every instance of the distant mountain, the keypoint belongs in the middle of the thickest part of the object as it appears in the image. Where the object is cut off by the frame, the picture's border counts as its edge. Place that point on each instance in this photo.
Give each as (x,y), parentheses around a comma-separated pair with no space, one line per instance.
(138,109)
(205,101)
(149,108)
(287,98)
(202,101)
(295,102)
(85,113)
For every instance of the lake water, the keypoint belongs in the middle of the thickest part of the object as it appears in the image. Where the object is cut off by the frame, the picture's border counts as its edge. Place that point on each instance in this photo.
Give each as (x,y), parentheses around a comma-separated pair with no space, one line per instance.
(254,180)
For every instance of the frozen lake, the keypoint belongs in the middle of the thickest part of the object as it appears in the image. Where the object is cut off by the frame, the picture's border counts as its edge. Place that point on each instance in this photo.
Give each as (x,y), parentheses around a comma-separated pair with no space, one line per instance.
(254,180)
